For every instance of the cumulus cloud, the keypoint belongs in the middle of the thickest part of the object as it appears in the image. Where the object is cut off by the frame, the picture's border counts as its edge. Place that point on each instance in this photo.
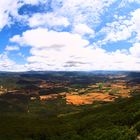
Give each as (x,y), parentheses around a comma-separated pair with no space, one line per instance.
(9,11)
(135,50)
(41,37)
(80,11)
(7,7)
(60,39)
(83,29)
(51,47)
(5,61)
(12,48)
(122,28)
(6,64)
(34,2)
(81,15)
(126,2)
(48,19)
(136,22)
(51,50)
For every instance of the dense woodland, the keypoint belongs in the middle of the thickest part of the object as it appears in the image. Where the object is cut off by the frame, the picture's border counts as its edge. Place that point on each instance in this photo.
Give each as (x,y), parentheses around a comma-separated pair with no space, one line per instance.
(23,119)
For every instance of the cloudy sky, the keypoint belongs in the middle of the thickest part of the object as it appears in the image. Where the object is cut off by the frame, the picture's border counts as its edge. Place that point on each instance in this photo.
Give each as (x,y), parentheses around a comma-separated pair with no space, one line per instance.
(69,35)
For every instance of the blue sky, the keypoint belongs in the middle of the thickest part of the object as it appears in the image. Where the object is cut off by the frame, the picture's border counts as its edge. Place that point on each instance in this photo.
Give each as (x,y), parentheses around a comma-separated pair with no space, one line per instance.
(69,35)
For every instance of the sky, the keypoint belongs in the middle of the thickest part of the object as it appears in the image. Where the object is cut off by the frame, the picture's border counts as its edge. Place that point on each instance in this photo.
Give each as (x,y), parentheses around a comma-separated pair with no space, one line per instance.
(69,35)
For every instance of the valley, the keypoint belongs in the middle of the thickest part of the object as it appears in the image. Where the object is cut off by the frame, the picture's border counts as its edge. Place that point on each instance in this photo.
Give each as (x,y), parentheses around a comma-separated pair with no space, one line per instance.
(70,105)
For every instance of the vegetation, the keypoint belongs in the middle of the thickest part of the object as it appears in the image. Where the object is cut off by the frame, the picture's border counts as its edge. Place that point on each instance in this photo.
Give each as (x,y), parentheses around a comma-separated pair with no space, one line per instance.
(24,119)
(55,120)
(100,86)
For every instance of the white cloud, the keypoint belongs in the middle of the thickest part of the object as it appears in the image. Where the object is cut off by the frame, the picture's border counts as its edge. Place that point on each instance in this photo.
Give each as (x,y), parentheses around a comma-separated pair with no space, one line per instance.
(83,29)
(116,35)
(34,2)
(87,59)
(9,11)
(5,61)
(73,13)
(48,19)
(7,7)
(122,28)
(81,11)
(6,64)
(126,2)
(12,48)
(70,12)
(136,22)
(41,37)
(52,50)
(135,50)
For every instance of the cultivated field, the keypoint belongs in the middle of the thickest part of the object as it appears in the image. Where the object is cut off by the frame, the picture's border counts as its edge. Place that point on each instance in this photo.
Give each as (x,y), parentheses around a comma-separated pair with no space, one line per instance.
(70,106)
